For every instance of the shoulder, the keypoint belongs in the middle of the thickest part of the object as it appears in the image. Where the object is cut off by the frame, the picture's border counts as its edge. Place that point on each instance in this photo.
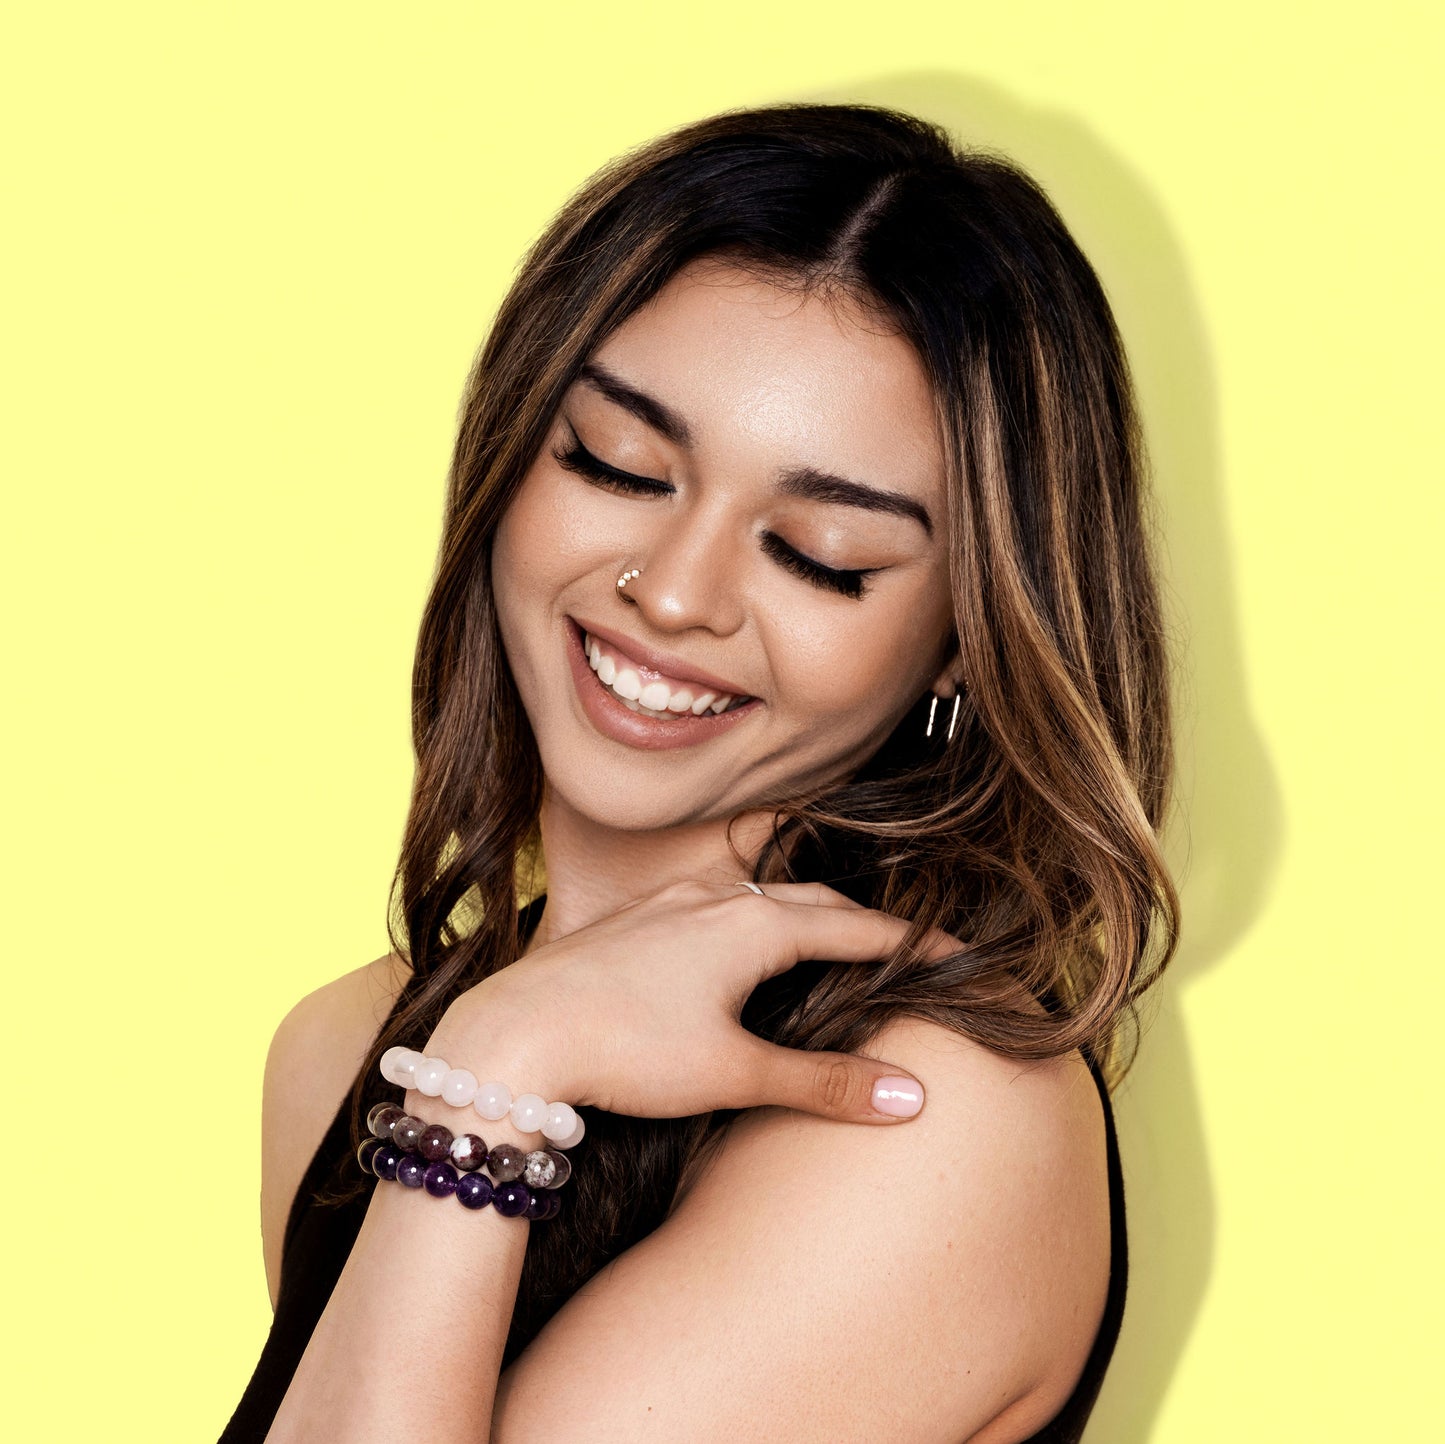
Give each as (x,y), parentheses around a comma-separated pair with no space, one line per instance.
(313,1058)
(940,1277)
(984,1221)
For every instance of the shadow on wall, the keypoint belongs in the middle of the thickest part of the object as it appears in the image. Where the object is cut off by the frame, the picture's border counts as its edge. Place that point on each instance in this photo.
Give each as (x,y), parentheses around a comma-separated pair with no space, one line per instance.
(1225,838)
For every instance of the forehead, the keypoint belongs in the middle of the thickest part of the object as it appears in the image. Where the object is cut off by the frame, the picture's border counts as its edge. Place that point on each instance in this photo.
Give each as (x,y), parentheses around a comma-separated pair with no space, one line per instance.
(765,374)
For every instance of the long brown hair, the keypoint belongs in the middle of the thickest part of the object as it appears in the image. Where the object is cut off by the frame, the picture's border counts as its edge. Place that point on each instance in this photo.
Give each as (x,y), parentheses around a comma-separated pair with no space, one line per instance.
(1032,835)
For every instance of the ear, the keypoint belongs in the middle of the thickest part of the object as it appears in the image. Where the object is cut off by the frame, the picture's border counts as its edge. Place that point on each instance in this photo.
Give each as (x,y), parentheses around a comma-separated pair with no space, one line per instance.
(948,682)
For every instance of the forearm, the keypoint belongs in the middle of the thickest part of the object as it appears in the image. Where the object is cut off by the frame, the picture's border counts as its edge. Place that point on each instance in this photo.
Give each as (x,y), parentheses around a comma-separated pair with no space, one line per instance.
(418,1321)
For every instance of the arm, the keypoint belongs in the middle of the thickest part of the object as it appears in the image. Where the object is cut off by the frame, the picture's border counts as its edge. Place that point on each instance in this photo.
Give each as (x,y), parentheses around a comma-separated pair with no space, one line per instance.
(313,1057)
(926,1284)
(417,1323)
(607,1017)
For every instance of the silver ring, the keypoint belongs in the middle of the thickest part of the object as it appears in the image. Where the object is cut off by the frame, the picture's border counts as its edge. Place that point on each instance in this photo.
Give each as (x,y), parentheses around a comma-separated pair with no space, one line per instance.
(753,886)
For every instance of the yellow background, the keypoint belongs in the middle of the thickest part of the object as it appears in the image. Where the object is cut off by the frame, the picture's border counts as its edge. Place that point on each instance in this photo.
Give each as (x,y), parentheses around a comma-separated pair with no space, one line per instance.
(250,251)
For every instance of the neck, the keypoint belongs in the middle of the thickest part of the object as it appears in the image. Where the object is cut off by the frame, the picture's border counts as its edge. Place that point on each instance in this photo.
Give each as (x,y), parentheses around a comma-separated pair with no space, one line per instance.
(593,870)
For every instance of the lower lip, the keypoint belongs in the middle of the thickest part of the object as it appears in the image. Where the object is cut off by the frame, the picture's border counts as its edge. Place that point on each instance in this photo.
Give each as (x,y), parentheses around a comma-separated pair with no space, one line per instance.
(614,719)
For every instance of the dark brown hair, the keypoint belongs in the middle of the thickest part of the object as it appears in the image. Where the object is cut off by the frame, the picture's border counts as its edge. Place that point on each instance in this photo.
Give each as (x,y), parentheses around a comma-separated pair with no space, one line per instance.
(1032,835)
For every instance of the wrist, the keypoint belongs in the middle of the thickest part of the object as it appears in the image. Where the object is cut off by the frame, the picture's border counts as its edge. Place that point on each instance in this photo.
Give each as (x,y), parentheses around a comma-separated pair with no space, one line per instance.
(516,1100)
(496,1042)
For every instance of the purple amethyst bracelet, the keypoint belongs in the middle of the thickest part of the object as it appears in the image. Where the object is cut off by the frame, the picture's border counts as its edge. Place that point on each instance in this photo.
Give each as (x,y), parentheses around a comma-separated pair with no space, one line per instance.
(428,1156)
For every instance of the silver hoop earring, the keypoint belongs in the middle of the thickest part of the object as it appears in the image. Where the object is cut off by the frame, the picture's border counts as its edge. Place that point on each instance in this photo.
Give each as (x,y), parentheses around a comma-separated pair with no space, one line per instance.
(952,721)
(626,577)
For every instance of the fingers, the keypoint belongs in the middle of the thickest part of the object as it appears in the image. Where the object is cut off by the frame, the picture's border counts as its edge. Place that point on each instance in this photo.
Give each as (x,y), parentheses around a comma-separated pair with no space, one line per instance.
(816,893)
(835,1085)
(841,934)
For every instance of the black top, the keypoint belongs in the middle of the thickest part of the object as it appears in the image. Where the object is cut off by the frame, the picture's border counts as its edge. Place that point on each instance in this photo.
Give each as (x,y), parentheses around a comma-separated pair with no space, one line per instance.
(319,1239)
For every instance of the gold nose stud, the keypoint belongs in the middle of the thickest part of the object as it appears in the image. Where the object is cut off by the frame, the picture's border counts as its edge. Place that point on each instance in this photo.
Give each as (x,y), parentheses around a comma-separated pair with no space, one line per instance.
(626,577)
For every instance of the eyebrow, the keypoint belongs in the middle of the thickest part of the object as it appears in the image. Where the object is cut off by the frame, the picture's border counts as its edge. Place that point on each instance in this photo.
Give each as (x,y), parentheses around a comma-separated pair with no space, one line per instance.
(803,481)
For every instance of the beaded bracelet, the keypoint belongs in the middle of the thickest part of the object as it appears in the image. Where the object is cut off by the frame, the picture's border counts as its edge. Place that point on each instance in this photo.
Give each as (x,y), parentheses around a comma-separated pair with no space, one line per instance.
(463,1152)
(559,1123)
(513,1199)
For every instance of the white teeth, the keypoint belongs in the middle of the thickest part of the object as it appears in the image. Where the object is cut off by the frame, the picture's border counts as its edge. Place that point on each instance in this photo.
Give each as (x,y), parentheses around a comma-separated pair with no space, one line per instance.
(654,699)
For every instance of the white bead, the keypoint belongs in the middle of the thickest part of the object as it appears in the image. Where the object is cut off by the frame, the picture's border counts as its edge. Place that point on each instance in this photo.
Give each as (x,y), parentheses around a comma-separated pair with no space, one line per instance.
(573,1138)
(459,1087)
(390,1059)
(493,1101)
(529,1112)
(429,1075)
(561,1120)
(403,1066)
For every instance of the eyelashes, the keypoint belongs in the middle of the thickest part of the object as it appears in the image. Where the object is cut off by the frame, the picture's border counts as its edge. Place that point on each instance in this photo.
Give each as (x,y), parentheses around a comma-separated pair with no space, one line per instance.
(577,458)
(849,583)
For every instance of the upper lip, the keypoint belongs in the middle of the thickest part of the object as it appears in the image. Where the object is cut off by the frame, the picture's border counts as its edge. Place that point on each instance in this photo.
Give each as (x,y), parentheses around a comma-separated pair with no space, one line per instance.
(662,662)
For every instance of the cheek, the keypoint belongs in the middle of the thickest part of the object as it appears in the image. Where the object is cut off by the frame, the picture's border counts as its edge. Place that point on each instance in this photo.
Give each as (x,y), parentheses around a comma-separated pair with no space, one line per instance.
(855,674)
(555,530)
(536,544)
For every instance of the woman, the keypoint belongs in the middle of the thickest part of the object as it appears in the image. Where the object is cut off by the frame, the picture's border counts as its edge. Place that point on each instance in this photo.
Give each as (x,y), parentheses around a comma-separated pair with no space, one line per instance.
(794,612)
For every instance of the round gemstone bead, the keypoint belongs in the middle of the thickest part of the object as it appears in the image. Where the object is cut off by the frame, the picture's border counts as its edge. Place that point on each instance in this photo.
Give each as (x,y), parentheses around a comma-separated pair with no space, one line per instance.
(406,1132)
(538,1204)
(384,1161)
(435,1142)
(511,1199)
(564,1167)
(575,1137)
(474,1190)
(560,1121)
(398,1065)
(539,1169)
(364,1150)
(468,1152)
(459,1087)
(529,1112)
(382,1119)
(429,1075)
(440,1180)
(493,1101)
(505,1163)
(554,1203)
(411,1170)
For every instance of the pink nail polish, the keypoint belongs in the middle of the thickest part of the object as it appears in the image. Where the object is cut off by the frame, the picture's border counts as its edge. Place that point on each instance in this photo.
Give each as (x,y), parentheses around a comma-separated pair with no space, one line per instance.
(898,1097)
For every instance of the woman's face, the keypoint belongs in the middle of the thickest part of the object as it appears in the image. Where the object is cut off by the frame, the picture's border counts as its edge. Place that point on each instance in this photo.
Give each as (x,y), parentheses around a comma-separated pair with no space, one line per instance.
(774,437)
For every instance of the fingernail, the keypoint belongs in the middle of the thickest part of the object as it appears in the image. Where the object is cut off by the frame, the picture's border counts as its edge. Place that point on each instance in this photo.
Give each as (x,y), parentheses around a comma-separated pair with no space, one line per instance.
(897,1097)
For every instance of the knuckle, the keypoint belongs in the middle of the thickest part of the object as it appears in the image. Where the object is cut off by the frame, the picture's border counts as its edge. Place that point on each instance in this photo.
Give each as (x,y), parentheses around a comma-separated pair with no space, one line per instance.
(833,1084)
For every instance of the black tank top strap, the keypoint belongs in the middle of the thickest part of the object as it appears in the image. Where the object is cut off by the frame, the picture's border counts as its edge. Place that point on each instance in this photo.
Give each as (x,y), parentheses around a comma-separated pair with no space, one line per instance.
(1067,1426)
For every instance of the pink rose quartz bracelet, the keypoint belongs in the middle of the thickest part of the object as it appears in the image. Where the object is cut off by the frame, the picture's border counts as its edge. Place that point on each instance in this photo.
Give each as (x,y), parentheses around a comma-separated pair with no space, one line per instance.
(559,1123)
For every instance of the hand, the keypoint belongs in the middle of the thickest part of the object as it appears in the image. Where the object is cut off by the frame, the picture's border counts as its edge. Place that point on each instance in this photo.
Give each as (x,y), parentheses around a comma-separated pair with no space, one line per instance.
(638,1012)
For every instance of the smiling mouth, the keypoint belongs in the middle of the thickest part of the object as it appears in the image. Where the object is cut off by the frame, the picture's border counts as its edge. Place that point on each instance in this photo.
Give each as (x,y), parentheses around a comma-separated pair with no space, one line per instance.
(654,696)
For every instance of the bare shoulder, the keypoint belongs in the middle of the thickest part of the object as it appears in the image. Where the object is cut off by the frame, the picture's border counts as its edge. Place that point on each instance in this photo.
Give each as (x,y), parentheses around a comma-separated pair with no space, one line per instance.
(313,1057)
(939,1279)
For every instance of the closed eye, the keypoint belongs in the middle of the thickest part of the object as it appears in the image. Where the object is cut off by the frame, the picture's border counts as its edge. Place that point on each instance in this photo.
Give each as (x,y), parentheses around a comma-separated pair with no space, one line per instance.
(847,582)
(577,458)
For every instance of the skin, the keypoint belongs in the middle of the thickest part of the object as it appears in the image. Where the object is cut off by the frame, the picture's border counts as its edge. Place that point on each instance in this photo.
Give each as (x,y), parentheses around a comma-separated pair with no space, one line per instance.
(855,1278)
(764,379)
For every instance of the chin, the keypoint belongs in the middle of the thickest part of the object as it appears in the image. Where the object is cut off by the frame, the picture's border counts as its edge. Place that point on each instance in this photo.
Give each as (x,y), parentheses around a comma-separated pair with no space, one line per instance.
(622,808)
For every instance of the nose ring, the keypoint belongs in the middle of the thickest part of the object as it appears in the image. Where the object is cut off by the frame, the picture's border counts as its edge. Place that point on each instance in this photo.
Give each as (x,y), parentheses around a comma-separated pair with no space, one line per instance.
(626,577)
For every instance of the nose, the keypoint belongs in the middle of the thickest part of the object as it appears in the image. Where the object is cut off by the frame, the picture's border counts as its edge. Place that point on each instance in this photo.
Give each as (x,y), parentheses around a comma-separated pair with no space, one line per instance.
(689,574)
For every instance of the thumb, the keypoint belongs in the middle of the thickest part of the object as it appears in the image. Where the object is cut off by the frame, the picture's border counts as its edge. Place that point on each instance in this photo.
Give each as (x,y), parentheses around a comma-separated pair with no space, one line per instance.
(839,1085)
